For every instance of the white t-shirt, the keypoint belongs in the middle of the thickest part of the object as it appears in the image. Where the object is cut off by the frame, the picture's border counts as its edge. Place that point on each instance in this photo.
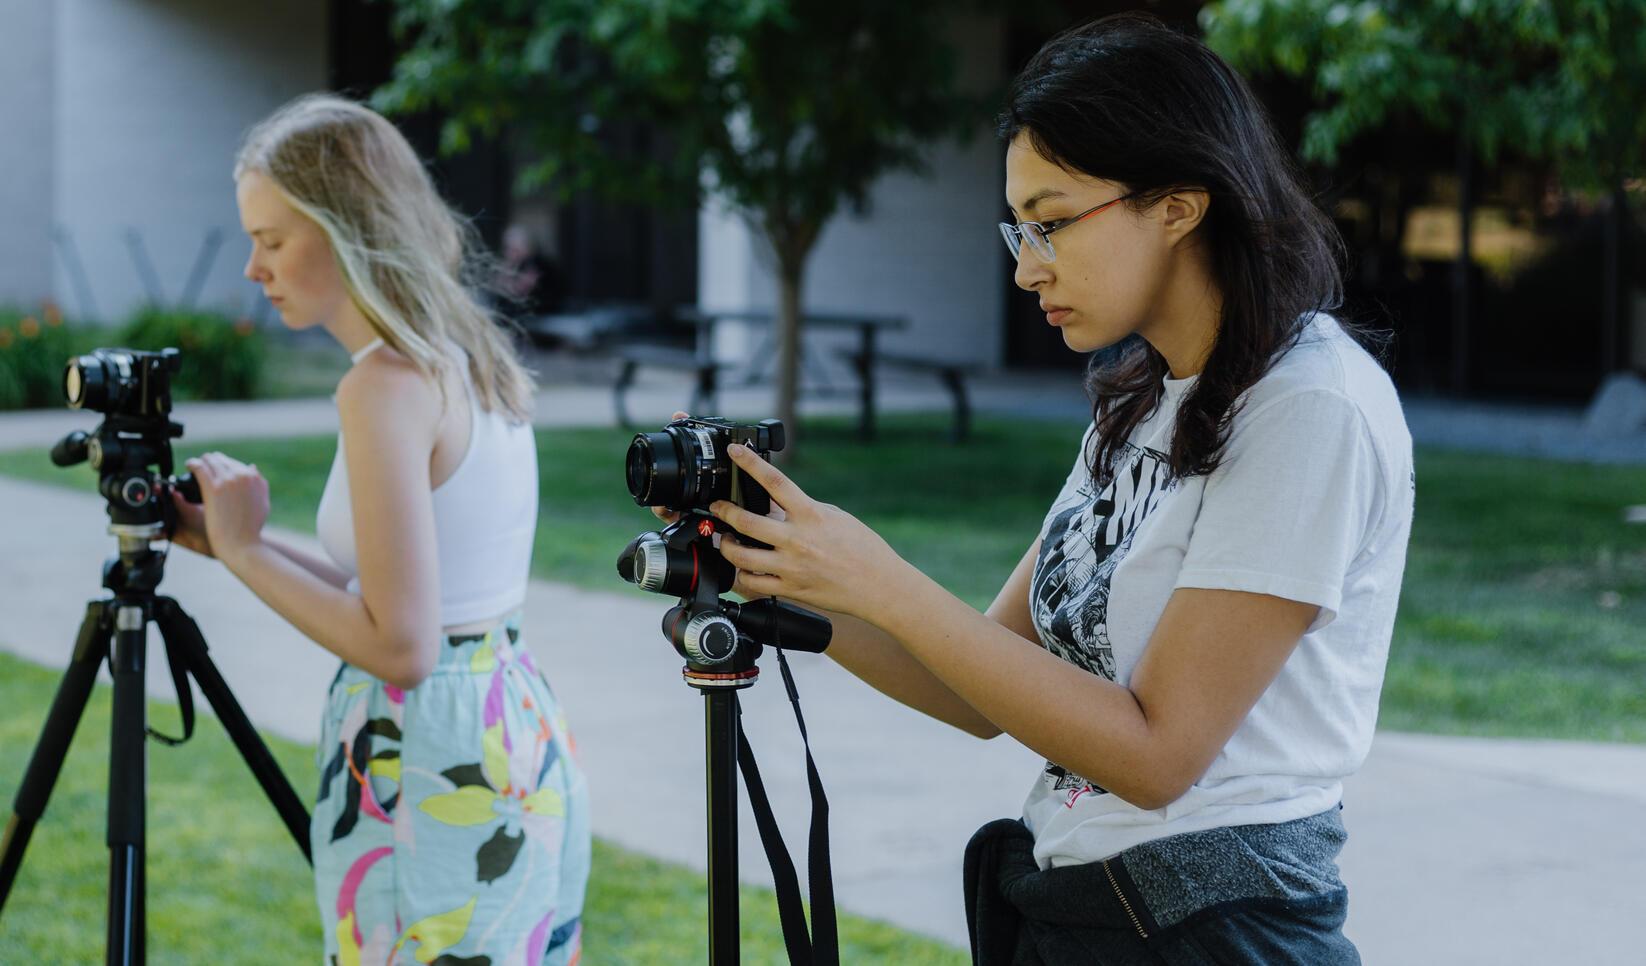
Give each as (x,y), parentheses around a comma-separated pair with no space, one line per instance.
(1312,502)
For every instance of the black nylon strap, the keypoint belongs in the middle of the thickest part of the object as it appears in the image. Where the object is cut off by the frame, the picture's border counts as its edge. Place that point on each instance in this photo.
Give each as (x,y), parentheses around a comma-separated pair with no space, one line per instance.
(790,913)
(185,693)
(819,874)
(822,947)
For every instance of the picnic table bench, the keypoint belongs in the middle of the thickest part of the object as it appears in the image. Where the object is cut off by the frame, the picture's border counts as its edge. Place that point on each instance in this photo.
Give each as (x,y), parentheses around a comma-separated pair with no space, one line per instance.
(704,369)
(951,374)
(865,358)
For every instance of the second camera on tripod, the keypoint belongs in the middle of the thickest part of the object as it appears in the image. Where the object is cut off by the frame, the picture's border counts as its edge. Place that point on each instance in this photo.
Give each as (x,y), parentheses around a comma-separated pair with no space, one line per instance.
(685,468)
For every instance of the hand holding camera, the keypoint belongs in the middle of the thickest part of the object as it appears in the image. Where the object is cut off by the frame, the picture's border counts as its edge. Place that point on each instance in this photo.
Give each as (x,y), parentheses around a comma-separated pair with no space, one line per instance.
(190,531)
(810,553)
(679,472)
(236,499)
(785,544)
(668,515)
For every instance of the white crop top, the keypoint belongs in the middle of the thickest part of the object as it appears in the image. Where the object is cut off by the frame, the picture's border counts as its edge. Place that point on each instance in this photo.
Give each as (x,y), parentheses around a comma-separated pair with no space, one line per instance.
(485,515)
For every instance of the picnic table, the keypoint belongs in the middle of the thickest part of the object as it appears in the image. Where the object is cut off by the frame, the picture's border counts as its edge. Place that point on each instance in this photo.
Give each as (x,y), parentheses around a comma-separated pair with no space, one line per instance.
(699,360)
(765,354)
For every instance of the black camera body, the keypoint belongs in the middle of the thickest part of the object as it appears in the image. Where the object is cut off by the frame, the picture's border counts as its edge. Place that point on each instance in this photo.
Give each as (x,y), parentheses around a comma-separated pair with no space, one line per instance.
(128,382)
(686,466)
(132,388)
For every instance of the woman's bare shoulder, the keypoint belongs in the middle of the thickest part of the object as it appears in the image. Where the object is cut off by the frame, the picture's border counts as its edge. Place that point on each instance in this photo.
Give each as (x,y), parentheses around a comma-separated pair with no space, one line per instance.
(387,386)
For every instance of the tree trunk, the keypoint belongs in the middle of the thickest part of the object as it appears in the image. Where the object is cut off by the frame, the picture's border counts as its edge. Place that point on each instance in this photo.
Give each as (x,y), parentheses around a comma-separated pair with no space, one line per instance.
(1462,269)
(791,274)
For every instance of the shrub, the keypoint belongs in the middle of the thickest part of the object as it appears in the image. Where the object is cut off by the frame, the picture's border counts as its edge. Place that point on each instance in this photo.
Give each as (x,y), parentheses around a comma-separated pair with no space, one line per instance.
(33,349)
(223,358)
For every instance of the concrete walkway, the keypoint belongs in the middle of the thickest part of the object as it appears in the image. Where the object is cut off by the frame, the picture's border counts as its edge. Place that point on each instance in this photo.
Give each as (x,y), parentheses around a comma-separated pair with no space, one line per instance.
(651,402)
(1461,850)
(1550,432)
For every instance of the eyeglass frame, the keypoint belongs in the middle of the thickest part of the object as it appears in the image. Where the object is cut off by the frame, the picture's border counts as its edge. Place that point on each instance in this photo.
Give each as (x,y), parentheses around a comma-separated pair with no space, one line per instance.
(1014,236)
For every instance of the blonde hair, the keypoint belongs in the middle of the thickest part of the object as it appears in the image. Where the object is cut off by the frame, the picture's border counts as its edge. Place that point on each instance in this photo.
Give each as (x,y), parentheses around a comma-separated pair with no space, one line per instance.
(405,256)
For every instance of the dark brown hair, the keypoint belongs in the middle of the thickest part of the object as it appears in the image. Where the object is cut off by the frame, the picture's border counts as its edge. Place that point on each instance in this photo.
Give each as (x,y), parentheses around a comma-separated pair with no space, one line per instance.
(1129,100)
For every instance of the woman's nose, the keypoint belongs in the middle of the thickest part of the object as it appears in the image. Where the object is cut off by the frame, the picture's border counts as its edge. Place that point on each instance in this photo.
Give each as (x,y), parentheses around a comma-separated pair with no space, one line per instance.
(1031,270)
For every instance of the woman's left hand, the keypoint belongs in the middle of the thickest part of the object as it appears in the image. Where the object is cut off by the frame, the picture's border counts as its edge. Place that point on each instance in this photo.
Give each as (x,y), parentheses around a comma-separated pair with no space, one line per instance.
(821,555)
(236,499)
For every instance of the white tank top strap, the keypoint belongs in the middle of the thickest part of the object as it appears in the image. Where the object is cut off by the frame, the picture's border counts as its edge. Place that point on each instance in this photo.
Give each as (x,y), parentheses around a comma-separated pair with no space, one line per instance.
(366,350)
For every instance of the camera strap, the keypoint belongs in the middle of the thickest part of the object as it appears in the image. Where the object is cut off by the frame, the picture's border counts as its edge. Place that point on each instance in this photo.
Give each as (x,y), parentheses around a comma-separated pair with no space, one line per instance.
(180,678)
(822,947)
(185,699)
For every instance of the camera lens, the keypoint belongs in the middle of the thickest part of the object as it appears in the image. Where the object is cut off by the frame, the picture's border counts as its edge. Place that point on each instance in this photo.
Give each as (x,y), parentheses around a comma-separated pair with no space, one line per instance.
(73,386)
(653,470)
(83,383)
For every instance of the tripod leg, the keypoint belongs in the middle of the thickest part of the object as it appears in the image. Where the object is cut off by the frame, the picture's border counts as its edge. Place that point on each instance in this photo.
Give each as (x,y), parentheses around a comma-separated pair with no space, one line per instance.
(183,634)
(90,648)
(128,775)
(720,727)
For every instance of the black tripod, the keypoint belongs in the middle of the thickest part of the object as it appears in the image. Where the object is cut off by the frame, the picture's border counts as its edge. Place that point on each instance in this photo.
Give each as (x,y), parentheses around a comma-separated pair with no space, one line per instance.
(721,641)
(116,629)
(725,743)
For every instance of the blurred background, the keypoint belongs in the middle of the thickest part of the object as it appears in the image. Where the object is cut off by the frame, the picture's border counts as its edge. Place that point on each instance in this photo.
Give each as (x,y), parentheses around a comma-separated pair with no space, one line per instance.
(788,207)
(1480,160)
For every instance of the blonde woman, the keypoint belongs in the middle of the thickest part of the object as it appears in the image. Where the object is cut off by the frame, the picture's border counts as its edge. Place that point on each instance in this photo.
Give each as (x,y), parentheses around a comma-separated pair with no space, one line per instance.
(451,818)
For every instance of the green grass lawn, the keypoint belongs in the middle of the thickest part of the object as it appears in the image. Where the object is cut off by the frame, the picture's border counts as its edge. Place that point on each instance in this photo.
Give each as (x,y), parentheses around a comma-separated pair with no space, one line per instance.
(227,885)
(1522,610)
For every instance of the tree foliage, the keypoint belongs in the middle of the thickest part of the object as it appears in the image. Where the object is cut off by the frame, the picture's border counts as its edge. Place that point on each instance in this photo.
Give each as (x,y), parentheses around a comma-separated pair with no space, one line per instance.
(784,108)
(1550,81)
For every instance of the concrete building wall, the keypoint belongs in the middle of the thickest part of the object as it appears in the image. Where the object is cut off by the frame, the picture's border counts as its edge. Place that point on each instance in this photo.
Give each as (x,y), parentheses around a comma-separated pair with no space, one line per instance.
(153,97)
(26,150)
(926,247)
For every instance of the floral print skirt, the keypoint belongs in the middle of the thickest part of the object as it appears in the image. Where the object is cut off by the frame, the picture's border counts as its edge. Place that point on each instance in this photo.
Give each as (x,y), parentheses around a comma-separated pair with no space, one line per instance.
(452,822)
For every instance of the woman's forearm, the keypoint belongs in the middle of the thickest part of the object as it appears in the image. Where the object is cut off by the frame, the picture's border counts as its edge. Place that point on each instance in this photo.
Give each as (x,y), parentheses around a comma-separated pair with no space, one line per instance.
(330,616)
(1069,715)
(318,566)
(881,662)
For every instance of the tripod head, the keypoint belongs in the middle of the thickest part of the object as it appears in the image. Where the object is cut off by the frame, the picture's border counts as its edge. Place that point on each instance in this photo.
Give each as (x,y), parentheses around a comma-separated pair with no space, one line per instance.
(131,452)
(720,639)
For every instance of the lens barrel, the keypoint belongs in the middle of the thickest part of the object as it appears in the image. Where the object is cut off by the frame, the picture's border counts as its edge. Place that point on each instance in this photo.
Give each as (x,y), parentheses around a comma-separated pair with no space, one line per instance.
(654,469)
(85,383)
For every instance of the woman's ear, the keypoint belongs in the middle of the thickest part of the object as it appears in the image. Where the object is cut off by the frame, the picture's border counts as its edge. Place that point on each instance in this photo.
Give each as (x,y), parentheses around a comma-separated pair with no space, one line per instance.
(1182,211)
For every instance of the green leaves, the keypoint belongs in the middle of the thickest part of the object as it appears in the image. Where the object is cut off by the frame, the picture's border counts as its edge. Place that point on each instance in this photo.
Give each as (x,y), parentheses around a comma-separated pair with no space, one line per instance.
(786,107)
(1543,80)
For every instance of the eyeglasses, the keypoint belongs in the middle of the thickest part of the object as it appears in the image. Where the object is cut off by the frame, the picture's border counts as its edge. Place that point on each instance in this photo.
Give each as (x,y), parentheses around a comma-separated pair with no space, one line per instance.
(1035,233)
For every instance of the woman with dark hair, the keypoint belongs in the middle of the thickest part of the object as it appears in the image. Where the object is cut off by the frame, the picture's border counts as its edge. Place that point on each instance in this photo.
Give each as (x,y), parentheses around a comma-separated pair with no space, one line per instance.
(1196,639)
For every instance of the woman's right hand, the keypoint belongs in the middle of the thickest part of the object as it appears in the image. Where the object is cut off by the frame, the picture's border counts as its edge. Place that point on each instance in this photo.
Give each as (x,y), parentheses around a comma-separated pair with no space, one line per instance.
(191,526)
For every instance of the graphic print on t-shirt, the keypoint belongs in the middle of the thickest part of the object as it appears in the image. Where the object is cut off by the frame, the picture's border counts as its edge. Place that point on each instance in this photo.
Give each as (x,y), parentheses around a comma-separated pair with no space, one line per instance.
(1087,534)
